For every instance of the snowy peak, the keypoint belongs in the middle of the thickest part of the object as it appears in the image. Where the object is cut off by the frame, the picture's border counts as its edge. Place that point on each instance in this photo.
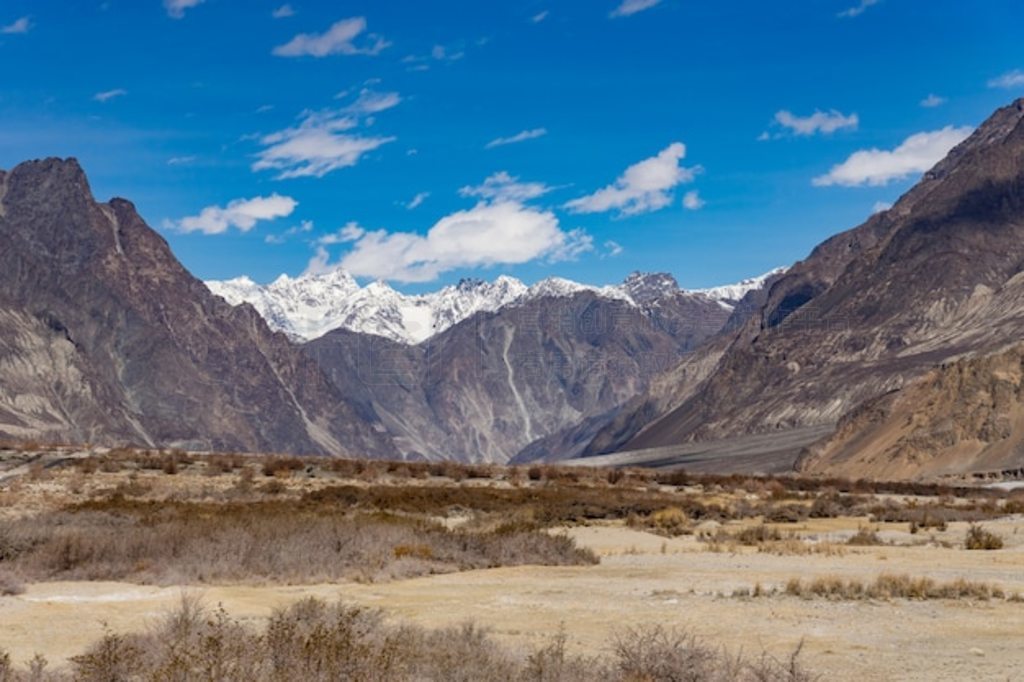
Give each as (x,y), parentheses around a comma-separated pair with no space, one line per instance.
(645,287)
(731,294)
(309,306)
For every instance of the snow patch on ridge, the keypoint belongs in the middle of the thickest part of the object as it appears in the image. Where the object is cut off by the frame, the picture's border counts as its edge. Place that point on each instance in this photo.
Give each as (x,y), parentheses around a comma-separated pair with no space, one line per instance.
(309,306)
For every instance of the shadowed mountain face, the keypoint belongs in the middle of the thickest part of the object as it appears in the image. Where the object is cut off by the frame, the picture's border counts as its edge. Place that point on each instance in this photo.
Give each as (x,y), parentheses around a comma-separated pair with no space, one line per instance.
(869,312)
(105,337)
(490,386)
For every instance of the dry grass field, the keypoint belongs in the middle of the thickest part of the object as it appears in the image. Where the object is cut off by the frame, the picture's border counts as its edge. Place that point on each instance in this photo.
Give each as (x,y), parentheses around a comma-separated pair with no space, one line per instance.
(128,564)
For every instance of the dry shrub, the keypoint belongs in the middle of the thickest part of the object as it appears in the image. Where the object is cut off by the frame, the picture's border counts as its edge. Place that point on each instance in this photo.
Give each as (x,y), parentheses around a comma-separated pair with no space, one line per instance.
(282,467)
(865,537)
(87,465)
(615,476)
(313,640)
(980,538)
(756,535)
(274,487)
(889,586)
(796,547)
(785,513)
(188,542)
(670,522)
(660,654)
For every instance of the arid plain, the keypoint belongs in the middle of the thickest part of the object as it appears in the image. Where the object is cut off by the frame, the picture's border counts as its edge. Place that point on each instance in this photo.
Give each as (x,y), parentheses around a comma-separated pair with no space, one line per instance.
(868,581)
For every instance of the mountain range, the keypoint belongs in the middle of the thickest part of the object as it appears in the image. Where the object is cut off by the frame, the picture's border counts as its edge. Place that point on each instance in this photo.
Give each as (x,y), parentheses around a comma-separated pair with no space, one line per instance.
(106,338)
(312,305)
(893,350)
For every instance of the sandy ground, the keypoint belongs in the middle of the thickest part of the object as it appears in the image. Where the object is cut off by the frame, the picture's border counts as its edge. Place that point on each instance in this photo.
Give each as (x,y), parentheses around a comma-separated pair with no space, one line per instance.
(642,578)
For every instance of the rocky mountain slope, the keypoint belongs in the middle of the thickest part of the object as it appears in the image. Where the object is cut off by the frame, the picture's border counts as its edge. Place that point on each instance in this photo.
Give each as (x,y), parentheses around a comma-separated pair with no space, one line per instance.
(962,417)
(870,311)
(488,387)
(311,305)
(106,338)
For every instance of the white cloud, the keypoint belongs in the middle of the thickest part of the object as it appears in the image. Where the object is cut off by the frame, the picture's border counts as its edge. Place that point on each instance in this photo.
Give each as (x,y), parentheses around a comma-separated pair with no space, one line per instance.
(417,200)
(109,95)
(932,101)
(628,7)
(1009,80)
(576,243)
(485,235)
(283,12)
(242,214)
(371,102)
(692,201)
(176,8)
(818,122)
(338,39)
(504,187)
(317,146)
(857,9)
(875,167)
(181,160)
(319,263)
(349,233)
(518,137)
(880,206)
(22,25)
(645,186)
(613,248)
(539,17)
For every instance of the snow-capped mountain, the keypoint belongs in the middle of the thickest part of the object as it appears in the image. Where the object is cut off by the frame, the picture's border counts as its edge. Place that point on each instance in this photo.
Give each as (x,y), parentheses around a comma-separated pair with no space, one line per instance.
(309,306)
(730,294)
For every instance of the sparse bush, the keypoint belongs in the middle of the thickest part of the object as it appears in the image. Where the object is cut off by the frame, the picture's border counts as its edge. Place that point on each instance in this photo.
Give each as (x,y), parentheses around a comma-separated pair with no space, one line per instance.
(889,586)
(755,535)
(313,640)
(795,546)
(980,538)
(282,467)
(670,521)
(113,658)
(864,537)
(787,513)
(170,465)
(274,487)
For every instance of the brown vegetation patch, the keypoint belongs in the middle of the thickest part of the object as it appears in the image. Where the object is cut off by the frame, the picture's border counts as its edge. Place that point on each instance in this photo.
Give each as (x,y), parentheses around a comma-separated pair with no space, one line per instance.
(184,542)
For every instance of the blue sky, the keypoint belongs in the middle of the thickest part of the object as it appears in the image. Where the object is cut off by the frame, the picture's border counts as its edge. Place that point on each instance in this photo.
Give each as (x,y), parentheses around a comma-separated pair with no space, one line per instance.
(586,139)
